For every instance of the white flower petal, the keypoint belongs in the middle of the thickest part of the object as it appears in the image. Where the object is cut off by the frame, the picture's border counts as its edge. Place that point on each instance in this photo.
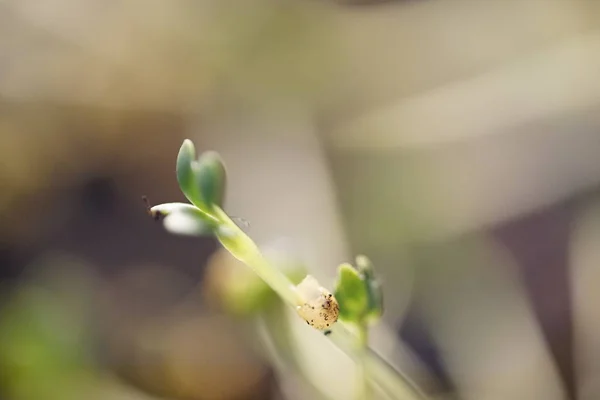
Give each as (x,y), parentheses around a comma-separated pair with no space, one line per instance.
(186,223)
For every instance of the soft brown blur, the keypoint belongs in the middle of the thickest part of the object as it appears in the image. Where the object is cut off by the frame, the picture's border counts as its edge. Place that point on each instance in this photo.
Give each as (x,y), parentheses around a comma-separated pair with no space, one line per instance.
(455,142)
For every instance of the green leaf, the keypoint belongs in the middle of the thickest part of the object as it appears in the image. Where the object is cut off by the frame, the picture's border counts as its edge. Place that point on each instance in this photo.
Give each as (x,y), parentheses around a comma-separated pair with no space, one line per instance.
(211,179)
(375,300)
(42,346)
(364,266)
(374,290)
(359,292)
(351,294)
(202,181)
(185,172)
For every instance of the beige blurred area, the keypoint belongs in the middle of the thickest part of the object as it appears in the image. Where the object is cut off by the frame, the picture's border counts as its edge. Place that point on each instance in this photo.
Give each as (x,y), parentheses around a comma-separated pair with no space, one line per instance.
(455,142)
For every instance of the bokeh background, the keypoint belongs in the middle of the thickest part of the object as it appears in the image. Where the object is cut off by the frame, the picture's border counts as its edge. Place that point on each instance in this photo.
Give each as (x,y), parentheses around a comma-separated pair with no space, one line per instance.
(455,142)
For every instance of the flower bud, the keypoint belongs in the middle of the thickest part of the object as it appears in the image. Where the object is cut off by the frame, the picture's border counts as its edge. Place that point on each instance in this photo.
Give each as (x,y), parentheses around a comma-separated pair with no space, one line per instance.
(320,309)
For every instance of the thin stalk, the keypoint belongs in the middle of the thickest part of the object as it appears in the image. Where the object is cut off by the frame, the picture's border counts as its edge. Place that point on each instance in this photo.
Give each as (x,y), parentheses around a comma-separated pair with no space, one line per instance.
(375,368)
(278,330)
(364,390)
(244,249)
(395,384)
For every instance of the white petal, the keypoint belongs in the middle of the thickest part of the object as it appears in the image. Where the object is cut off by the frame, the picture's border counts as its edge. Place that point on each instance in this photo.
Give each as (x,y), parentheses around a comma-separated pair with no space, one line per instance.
(168,208)
(185,223)
(309,289)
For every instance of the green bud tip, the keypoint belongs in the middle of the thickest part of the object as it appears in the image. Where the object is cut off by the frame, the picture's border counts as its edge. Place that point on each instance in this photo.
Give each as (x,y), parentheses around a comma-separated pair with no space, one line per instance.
(365,267)
(185,174)
(211,177)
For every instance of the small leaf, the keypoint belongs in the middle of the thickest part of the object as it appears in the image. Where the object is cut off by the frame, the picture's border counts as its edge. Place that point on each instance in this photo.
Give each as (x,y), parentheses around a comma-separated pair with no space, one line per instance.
(373,287)
(211,177)
(364,266)
(351,294)
(168,208)
(375,300)
(185,173)
(189,222)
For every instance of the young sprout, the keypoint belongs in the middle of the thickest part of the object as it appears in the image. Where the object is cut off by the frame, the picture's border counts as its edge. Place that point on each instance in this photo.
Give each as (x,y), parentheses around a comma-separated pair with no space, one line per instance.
(358,297)
(320,309)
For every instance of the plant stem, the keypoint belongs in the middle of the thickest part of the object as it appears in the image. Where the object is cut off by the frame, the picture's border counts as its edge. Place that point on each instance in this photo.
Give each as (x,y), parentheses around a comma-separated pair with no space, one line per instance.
(279,331)
(373,367)
(244,249)
(364,391)
(385,376)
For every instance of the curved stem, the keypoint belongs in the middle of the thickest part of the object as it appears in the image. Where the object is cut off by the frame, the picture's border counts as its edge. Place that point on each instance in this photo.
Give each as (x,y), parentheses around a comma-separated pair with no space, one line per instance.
(278,330)
(377,369)
(395,384)
(244,249)
(364,390)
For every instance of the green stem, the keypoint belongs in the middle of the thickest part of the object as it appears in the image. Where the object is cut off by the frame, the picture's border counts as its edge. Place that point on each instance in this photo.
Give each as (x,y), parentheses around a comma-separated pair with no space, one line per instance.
(278,329)
(244,249)
(376,369)
(364,390)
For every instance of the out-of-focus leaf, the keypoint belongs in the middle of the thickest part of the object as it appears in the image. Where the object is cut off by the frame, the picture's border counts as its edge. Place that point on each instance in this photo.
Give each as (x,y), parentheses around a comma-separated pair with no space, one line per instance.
(358,292)
(41,353)
(351,294)
(374,289)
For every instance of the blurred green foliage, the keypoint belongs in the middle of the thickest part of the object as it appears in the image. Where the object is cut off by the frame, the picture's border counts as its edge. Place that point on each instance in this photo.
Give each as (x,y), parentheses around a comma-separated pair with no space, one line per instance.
(358,292)
(41,347)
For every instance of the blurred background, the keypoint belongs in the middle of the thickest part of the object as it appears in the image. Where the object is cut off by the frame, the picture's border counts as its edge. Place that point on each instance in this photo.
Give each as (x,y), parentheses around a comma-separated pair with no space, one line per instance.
(455,142)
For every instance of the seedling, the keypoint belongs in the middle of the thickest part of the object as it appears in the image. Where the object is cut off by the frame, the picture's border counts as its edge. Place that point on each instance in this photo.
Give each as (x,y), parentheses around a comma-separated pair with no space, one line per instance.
(343,315)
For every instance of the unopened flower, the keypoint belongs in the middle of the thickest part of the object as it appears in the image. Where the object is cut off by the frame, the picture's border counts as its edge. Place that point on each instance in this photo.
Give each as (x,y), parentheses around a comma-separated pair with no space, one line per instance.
(320,309)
